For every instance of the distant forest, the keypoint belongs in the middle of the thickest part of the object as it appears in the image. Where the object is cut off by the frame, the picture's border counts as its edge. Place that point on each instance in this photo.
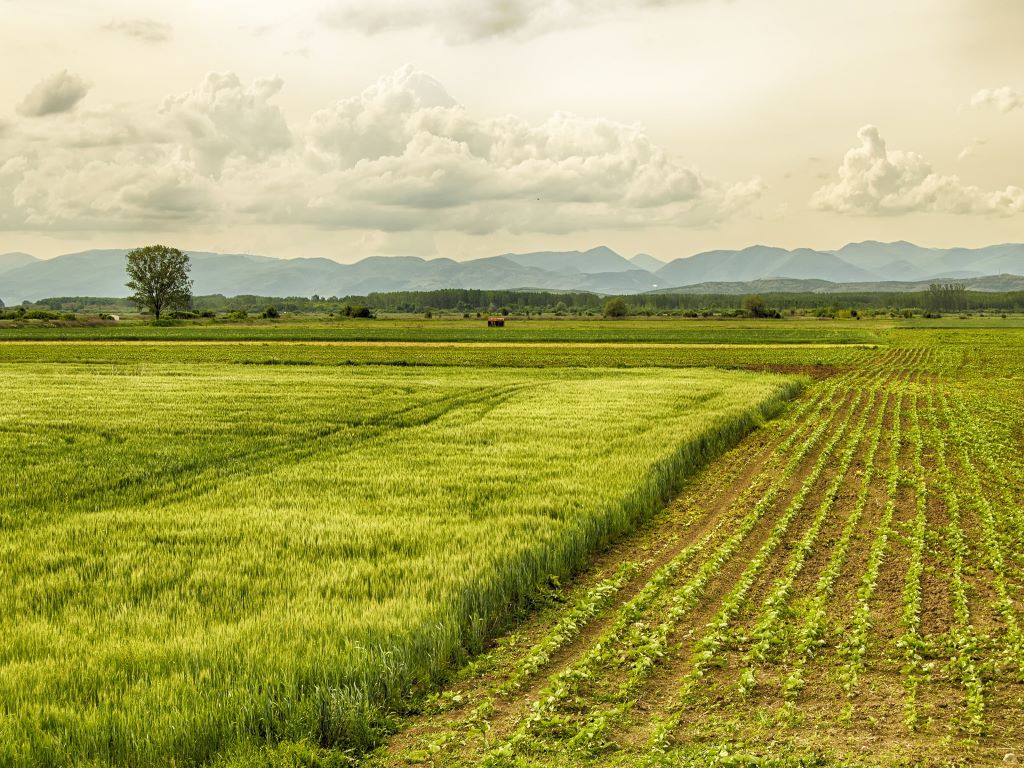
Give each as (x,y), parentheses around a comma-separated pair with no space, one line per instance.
(944,297)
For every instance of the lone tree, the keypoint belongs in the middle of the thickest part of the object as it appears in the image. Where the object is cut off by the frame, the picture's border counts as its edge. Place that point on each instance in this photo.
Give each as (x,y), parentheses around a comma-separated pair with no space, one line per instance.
(159,278)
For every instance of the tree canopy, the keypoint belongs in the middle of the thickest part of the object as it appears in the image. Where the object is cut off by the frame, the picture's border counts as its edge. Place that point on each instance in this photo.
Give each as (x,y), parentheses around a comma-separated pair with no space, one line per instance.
(616,307)
(159,278)
(755,306)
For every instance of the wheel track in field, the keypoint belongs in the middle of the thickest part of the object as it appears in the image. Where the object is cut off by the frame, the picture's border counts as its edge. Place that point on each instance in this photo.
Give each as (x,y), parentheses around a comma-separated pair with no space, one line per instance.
(195,478)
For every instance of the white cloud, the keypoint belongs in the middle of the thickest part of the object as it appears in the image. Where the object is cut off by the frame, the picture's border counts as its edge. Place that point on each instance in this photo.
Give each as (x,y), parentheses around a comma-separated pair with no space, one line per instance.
(222,118)
(971,149)
(401,156)
(129,188)
(145,30)
(55,94)
(462,21)
(1005,99)
(404,152)
(876,180)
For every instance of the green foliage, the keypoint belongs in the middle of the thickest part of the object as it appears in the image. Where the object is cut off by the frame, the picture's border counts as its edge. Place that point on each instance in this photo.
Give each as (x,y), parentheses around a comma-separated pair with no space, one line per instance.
(947,297)
(755,306)
(616,308)
(270,313)
(158,278)
(356,311)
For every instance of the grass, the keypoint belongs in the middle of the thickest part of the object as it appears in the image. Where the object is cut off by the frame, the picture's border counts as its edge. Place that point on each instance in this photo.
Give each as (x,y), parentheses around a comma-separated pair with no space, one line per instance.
(796,357)
(657,331)
(202,559)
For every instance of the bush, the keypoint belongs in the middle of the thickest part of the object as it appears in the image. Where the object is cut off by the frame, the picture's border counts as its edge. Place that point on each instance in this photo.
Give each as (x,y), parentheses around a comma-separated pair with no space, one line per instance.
(181,315)
(238,314)
(755,306)
(355,311)
(270,313)
(616,308)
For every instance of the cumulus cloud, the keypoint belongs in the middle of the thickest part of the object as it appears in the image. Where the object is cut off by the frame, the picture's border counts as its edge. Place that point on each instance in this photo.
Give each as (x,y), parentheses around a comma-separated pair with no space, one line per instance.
(55,94)
(223,118)
(133,188)
(1005,99)
(876,180)
(408,147)
(463,21)
(401,156)
(146,30)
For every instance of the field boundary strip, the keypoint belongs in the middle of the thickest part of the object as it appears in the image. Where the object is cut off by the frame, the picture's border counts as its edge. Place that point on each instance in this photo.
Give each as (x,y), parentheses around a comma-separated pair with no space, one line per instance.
(462,344)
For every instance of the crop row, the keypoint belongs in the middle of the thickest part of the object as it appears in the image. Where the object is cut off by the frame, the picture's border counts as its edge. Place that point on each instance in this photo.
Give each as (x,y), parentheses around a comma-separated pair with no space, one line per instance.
(769,633)
(706,651)
(964,648)
(911,644)
(630,640)
(854,648)
(992,548)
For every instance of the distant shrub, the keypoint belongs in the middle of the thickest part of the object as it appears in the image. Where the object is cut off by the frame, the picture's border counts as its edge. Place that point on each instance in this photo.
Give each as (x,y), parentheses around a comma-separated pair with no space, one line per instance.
(238,314)
(179,314)
(270,313)
(616,308)
(756,307)
(355,311)
(208,313)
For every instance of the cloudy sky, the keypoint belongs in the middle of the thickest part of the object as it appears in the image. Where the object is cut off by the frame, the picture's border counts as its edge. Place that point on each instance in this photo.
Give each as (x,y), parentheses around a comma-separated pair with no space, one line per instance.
(465,128)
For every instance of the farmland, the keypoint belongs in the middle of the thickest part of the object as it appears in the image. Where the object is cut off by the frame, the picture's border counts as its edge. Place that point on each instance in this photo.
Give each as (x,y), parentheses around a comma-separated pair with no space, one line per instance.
(277,545)
(199,556)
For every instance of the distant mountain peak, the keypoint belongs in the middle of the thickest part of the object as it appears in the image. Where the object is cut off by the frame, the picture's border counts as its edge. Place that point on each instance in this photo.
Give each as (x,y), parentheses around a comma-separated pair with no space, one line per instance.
(648,262)
(15,260)
(598,270)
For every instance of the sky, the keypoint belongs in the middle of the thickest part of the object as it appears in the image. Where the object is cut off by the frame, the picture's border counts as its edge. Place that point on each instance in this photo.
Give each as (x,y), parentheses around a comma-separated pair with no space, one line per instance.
(469,128)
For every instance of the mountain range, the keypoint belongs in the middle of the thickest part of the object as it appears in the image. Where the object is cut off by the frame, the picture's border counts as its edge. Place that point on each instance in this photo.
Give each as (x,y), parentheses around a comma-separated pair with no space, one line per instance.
(598,270)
